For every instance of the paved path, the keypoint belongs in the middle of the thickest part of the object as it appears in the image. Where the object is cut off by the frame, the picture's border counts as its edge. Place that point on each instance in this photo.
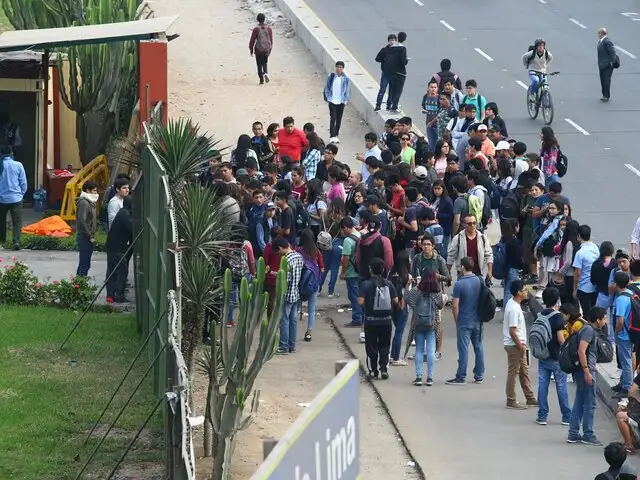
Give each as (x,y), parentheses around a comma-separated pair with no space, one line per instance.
(599,180)
(466,432)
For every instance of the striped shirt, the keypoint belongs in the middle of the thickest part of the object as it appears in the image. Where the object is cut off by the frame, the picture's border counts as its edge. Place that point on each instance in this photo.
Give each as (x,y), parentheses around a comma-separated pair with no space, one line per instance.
(294,272)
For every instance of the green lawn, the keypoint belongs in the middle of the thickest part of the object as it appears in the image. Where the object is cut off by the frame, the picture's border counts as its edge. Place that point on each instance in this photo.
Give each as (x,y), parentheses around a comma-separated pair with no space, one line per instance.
(47,406)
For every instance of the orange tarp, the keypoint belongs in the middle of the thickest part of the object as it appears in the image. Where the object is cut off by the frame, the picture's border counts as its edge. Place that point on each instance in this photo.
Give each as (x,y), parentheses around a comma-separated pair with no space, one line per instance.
(49,227)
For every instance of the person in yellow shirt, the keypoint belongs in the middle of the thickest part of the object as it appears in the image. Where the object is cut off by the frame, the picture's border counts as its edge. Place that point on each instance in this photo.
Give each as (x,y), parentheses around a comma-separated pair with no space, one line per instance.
(571,314)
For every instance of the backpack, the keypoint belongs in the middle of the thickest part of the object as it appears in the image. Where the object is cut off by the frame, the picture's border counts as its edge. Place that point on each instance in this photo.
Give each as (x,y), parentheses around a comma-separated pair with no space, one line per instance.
(532,49)
(391,227)
(500,268)
(238,263)
(552,241)
(487,303)
(309,282)
(495,196)
(616,61)
(604,348)
(382,301)
(486,204)
(634,315)
(540,335)
(368,253)
(263,42)
(562,164)
(441,80)
(425,313)
(474,204)
(480,98)
(301,216)
(568,355)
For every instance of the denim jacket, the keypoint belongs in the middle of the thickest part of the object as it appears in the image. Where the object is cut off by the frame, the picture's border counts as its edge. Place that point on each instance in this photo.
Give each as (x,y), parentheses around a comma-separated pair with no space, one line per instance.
(346,88)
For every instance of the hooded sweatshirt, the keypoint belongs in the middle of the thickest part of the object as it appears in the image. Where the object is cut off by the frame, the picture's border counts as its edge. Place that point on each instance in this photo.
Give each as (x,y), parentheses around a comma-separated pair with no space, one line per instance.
(386,245)
(86,215)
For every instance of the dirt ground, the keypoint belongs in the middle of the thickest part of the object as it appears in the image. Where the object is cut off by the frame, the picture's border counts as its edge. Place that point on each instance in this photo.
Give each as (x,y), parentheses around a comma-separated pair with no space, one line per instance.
(213,80)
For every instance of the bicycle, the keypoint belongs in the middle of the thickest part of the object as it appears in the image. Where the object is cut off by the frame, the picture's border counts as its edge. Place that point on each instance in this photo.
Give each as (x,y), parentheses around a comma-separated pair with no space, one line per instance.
(542,98)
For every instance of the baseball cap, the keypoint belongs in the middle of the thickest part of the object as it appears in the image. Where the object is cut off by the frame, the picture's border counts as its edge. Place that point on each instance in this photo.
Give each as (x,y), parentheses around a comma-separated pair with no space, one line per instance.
(241,171)
(420,172)
(503,145)
(271,205)
(482,126)
(374,224)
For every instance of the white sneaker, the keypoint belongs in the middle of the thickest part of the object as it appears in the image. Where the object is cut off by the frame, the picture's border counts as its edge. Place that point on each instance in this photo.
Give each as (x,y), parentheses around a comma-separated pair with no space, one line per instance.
(333,295)
(361,337)
(336,140)
(616,374)
(333,140)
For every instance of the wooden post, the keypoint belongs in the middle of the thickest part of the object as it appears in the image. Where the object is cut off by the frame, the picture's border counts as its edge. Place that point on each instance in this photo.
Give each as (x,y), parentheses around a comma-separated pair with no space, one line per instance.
(268,444)
(340,364)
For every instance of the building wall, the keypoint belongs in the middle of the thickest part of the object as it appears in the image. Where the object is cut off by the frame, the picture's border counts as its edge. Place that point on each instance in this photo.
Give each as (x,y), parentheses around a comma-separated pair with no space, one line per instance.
(69,154)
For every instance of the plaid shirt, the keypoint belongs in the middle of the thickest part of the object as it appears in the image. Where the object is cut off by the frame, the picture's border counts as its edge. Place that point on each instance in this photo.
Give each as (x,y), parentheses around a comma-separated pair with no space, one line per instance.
(310,163)
(294,272)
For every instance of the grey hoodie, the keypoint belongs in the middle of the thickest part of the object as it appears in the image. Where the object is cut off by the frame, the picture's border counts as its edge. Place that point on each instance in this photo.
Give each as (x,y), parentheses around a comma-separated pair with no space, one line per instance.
(85,217)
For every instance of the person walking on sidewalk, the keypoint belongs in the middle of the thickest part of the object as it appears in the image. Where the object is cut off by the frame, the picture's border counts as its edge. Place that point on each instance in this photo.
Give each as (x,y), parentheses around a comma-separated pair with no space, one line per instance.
(337,91)
(378,298)
(584,404)
(514,330)
(13,186)
(550,366)
(260,45)
(464,306)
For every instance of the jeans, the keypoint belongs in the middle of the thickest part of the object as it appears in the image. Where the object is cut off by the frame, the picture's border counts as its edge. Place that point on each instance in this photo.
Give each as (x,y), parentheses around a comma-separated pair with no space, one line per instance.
(261,63)
(116,274)
(603,301)
(331,259)
(335,118)
(546,368)
(311,308)
(289,325)
(15,209)
(85,251)
(473,333)
(445,246)
(427,337)
(624,348)
(584,407)
(432,137)
(399,318)
(551,179)
(384,83)
(512,275)
(534,81)
(353,288)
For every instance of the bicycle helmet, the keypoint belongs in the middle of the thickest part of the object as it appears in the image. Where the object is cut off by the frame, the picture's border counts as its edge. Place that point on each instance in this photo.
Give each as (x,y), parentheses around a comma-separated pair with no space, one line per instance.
(539,41)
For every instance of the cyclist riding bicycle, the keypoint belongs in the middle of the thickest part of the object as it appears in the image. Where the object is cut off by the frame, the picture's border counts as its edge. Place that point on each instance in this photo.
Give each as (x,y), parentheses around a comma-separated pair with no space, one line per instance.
(536,61)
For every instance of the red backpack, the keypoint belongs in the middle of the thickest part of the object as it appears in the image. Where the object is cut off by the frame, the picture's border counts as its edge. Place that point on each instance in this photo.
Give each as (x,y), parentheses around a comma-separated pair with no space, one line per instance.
(634,315)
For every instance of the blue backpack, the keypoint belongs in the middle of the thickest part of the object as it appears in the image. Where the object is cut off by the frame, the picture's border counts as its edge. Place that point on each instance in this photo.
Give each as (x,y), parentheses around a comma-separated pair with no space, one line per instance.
(500,268)
(309,279)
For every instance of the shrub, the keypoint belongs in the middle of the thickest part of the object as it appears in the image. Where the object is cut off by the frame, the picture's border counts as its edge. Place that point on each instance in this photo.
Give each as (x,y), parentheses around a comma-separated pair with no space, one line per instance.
(67,244)
(19,286)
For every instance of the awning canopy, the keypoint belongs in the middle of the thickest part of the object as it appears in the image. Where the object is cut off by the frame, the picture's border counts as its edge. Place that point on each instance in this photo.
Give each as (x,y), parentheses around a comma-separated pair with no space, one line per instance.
(48,38)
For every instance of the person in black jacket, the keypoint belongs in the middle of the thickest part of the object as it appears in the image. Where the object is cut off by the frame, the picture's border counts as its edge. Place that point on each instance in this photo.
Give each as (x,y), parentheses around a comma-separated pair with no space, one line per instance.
(513,250)
(118,240)
(600,273)
(384,79)
(492,119)
(445,74)
(394,66)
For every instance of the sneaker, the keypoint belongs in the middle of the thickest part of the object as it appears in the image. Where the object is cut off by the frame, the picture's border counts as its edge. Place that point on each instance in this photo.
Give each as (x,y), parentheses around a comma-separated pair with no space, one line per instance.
(231,324)
(384,375)
(417,382)
(565,423)
(292,350)
(616,375)
(541,421)
(333,295)
(478,380)
(362,339)
(399,363)
(377,108)
(617,388)
(621,394)
(456,382)
(373,375)
(266,78)
(413,343)
(16,247)
(438,356)
(575,439)
(570,378)
(353,324)
(429,382)
(282,351)
(532,98)
(110,300)
(307,337)
(532,402)
(336,140)
(593,441)
(516,406)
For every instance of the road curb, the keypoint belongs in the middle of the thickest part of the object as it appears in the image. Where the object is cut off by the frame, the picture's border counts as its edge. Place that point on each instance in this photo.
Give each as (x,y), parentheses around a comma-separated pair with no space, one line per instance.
(328,49)
(604,382)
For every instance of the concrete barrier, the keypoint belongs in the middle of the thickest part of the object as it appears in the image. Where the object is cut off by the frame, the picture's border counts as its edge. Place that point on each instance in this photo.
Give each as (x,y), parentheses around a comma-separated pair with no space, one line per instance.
(328,49)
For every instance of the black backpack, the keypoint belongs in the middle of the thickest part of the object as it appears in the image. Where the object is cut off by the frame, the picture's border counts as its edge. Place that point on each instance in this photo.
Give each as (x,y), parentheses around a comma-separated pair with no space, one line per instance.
(487,303)
(549,243)
(568,355)
(367,254)
(562,164)
(532,49)
(301,216)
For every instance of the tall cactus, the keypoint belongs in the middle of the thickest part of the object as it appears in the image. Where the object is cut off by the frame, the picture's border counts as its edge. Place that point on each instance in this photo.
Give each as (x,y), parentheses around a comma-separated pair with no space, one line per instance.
(235,364)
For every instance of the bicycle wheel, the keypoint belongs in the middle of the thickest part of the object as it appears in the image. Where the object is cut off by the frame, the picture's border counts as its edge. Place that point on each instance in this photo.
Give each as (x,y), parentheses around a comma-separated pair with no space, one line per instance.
(532,107)
(546,103)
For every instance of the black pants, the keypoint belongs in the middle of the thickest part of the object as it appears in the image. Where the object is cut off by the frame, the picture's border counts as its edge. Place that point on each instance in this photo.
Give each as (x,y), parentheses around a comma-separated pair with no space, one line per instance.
(587,302)
(335,118)
(605,81)
(377,344)
(116,275)
(396,85)
(261,63)
(15,209)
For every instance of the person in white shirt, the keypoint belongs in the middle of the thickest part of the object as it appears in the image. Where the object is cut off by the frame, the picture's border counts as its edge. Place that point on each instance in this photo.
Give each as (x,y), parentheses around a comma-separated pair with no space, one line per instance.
(514,330)
(337,91)
(635,239)
(371,150)
(121,186)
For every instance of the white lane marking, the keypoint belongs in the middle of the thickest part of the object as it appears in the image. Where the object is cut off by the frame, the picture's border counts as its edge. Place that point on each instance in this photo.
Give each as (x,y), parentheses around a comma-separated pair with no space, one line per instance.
(633,169)
(522,84)
(446,25)
(576,126)
(627,53)
(632,15)
(573,20)
(483,54)
(543,2)
(419,3)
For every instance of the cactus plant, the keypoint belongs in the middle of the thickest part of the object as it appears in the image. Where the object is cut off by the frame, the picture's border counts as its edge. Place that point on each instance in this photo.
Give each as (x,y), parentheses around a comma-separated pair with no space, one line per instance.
(235,363)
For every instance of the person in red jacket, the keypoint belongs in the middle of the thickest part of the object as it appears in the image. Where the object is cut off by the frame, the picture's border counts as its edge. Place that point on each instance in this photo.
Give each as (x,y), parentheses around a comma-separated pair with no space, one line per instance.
(260,44)
(291,140)
(272,262)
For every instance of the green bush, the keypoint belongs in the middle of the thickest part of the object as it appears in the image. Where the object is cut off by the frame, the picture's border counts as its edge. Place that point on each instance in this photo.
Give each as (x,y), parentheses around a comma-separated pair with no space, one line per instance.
(19,286)
(67,244)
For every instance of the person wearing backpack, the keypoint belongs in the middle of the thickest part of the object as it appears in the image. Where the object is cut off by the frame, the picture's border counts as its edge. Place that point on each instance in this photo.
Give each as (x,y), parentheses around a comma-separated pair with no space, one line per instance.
(348,272)
(584,404)
(291,300)
(623,308)
(310,278)
(545,338)
(378,297)
(514,331)
(509,258)
(536,61)
(426,300)
(464,306)
(260,44)
(445,75)
(550,238)
(373,245)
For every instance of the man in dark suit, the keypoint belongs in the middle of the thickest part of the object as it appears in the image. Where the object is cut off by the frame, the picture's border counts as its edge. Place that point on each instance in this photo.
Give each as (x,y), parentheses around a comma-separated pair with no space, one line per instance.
(606,58)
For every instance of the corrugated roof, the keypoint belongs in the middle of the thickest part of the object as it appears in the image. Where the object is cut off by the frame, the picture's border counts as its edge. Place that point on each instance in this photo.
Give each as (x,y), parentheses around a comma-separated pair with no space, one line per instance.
(48,38)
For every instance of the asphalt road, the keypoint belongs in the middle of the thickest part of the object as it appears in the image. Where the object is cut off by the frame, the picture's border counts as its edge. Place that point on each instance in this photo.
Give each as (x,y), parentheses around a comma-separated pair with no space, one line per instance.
(486,42)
